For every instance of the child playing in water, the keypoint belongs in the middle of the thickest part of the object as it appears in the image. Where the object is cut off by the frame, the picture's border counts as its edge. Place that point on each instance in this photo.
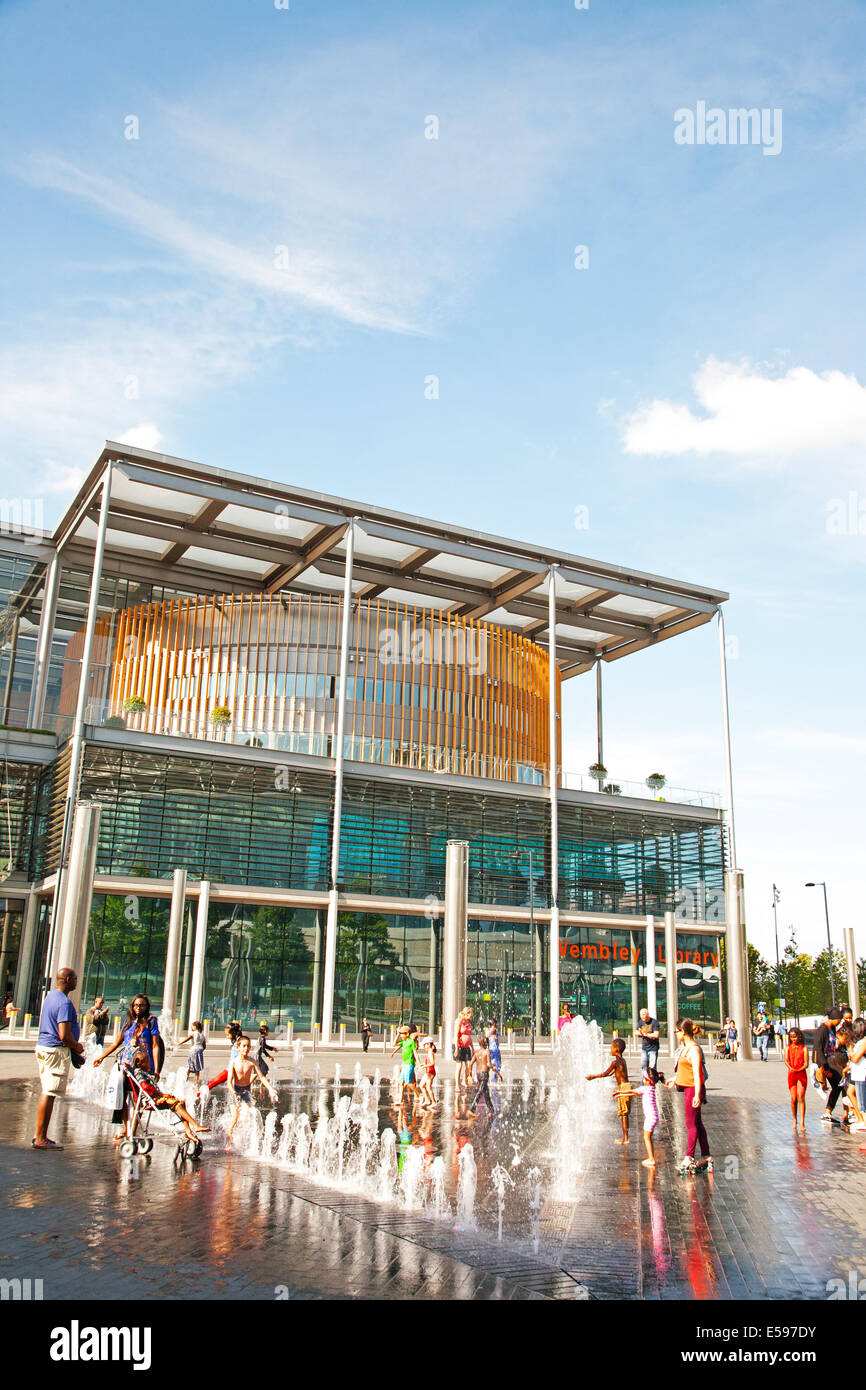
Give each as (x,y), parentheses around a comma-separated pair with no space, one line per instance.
(408,1050)
(647,1093)
(242,1070)
(195,1059)
(619,1071)
(428,1074)
(161,1099)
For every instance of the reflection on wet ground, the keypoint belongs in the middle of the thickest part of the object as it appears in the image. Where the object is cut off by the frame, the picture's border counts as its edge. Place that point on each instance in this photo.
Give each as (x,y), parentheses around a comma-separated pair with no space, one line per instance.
(778,1219)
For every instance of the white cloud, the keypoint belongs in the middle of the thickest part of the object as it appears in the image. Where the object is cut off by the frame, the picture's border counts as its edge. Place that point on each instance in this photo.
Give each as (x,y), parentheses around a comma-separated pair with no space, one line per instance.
(142,437)
(748,411)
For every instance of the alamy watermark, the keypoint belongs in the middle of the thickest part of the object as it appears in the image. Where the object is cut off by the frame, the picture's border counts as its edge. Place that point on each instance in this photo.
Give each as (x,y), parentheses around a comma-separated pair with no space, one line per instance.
(22,516)
(736,126)
(408,645)
(846,516)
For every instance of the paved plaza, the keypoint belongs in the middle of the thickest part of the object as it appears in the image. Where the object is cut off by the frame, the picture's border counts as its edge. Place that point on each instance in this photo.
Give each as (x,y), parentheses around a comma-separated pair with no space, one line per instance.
(780,1217)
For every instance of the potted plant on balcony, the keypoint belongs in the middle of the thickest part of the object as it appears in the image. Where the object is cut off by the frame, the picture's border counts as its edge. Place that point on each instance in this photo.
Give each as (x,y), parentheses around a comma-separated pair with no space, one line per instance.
(598,772)
(134,704)
(613,789)
(655,782)
(221,716)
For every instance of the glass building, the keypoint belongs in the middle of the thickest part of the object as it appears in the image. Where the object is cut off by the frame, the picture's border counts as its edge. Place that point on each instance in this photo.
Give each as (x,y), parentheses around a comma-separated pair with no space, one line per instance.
(299,701)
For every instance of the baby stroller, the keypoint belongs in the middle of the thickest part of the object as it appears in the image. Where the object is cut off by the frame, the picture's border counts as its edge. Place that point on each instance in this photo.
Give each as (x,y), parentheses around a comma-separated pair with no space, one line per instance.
(721,1049)
(147,1100)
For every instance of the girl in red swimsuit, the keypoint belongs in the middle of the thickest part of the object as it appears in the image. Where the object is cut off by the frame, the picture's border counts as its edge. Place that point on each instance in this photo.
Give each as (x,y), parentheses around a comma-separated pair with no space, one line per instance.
(795,1061)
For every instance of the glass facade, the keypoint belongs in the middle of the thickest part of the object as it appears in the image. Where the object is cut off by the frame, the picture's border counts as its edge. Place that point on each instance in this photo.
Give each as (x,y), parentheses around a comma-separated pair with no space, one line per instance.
(271,826)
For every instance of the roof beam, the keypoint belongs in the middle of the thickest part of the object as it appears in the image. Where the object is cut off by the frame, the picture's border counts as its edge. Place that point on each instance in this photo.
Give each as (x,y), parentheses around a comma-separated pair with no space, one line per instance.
(203,518)
(324,539)
(590,622)
(182,539)
(501,595)
(650,592)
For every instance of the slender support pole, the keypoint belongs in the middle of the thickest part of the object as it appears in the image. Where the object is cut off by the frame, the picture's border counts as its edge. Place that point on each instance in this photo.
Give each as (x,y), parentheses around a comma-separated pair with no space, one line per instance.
(77,741)
(599,726)
(4,946)
(434,962)
(316,1001)
(737,961)
(42,660)
(188,949)
(333,895)
(671,980)
(553,715)
(635,981)
(26,952)
(726,734)
(851,967)
(454,935)
(75,924)
(197,987)
(651,997)
(172,954)
(13,653)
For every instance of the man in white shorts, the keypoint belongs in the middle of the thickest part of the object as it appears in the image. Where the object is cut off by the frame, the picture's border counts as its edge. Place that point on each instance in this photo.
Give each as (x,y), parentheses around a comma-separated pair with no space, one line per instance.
(59,1031)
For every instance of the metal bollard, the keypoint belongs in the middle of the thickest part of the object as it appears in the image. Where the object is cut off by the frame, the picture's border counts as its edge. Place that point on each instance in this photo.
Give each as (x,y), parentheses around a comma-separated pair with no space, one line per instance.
(28,1019)
(510,1041)
(290,1031)
(13,1014)
(342,1035)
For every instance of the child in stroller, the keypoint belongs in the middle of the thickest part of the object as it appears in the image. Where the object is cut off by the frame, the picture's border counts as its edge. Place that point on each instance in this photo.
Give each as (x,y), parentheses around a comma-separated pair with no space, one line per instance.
(146,1098)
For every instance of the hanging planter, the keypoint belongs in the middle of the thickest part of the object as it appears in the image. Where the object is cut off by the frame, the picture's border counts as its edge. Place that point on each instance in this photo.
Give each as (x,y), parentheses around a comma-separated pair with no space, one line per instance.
(598,772)
(134,704)
(656,781)
(220,717)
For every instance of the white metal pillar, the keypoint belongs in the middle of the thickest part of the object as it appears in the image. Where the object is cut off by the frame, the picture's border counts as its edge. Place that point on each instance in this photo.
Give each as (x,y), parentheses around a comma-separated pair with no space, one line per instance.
(726,734)
(198,954)
(455,925)
(553,719)
(42,660)
(75,924)
(599,724)
(651,994)
(634,952)
(172,954)
(851,968)
(737,961)
(77,741)
(26,953)
(333,894)
(671,980)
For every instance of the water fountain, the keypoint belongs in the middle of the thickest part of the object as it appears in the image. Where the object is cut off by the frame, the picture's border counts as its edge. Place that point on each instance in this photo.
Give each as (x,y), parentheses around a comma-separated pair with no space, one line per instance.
(527,1085)
(467,1182)
(533,1193)
(500,1180)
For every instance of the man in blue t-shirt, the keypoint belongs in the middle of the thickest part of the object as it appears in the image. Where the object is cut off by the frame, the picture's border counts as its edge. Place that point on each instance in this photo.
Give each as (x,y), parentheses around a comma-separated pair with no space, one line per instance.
(58,1036)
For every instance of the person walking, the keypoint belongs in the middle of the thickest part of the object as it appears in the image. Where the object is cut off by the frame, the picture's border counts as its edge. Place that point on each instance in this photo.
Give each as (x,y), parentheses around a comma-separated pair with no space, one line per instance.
(798,1080)
(648,1031)
(96,1021)
(59,1033)
(688,1078)
(763,1031)
(481,1063)
(366,1032)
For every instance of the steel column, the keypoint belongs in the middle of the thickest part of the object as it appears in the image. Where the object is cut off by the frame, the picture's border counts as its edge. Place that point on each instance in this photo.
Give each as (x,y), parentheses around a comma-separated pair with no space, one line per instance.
(554,801)
(851,967)
(197,987)
(172,954)
(737,961)
(651,995)
(671,980)
(26,953)
(599,729)
(726,734)
(454,936)
(333,895)
(42,660)
(75,922)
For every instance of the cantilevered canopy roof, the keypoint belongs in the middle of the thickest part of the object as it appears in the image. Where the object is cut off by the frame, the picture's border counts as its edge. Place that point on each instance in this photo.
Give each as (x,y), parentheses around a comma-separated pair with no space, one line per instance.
(203,530)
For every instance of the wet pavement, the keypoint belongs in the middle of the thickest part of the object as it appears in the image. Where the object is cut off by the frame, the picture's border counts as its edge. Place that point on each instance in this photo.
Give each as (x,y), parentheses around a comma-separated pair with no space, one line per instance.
(779,1218)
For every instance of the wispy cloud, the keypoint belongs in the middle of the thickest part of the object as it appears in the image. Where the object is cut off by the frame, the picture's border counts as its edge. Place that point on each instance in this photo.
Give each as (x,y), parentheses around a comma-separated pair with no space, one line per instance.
(748,411)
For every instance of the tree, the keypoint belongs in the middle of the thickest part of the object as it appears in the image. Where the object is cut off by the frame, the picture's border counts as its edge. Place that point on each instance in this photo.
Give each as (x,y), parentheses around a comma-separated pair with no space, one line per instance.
(762,978)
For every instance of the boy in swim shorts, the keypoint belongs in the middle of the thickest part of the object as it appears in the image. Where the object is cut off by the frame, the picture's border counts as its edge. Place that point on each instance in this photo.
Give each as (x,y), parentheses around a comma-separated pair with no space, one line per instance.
(406,1046)
(619,1071)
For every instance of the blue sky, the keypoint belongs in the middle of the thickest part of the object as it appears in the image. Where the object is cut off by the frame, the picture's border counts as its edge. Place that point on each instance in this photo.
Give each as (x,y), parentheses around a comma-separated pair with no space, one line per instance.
(698,387)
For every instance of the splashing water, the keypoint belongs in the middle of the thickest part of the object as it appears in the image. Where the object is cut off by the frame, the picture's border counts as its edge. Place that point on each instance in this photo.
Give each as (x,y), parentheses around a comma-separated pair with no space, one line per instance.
(533,1192)
(500,1180)
(467,1182)
(527,1085)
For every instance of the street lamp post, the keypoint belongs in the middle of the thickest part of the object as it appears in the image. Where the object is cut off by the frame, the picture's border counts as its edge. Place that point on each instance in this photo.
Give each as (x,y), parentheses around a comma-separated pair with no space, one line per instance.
(829,945)
(538,1010)
(776,896)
